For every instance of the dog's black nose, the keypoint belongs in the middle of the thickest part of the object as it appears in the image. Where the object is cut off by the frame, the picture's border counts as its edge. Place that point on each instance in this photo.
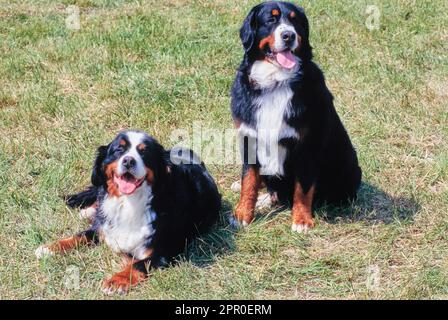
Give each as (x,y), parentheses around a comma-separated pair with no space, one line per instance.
(128,162)
(288,37)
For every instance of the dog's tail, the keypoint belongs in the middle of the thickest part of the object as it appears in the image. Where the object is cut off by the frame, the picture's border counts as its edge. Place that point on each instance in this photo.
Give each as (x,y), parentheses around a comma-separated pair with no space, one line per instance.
(83,199)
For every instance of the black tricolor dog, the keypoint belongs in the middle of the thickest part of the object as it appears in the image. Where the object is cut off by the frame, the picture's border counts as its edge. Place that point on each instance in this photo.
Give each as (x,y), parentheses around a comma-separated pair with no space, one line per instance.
(286,119)
(149,202)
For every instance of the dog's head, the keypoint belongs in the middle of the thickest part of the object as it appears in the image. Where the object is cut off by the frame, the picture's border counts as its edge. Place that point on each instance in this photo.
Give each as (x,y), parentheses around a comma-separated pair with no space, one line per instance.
(132,159)
(277,32)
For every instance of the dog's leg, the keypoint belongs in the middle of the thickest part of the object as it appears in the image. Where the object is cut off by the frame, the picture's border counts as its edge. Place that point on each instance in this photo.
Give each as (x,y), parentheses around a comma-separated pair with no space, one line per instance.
(302,219)
(250,183)
(134,272)
(62,246)
(123,280)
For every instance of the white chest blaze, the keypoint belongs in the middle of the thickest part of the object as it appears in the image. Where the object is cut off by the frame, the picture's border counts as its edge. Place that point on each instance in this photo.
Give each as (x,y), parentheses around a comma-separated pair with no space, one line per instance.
(266,75)
(273,105)
(129,221)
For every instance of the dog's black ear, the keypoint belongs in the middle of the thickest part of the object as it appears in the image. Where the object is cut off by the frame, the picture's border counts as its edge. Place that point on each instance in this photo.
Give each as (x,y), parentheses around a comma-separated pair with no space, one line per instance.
(306,51)
(248,29)
(156,159)
(98,174)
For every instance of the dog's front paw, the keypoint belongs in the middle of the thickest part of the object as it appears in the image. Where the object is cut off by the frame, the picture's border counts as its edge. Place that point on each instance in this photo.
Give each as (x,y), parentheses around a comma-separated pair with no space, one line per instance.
(122,281)
(234,222)
(302,226)
(116,285)
(42,252)
(241,217)
(87,213)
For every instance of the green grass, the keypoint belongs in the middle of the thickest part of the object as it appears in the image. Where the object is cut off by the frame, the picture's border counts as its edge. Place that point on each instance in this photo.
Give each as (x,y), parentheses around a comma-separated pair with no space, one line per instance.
(160,65)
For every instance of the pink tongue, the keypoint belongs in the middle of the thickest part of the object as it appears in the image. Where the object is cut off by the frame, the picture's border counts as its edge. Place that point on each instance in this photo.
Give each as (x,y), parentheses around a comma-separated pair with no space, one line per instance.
(126,186)
(286,59)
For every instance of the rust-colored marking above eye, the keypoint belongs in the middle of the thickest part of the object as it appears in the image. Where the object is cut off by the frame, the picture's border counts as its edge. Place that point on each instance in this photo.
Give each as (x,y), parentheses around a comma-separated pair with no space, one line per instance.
(292,14)
(122,142)
(141,147)
(275,12)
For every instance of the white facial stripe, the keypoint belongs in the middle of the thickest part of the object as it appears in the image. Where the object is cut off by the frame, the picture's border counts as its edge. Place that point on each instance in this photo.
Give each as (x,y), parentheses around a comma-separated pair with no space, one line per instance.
(135,138)
(279,45)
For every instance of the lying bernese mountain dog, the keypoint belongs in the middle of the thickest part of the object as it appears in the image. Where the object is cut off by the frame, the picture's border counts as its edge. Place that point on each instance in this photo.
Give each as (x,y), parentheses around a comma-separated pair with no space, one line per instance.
(291,136)
(147,203)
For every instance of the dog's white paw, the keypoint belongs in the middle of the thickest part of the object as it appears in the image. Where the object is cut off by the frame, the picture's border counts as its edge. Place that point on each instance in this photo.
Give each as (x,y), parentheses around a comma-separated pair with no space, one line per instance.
(236,224)
(300,228)
(236,186)
(42,252)
(87,213)
(264,201)
(110,291)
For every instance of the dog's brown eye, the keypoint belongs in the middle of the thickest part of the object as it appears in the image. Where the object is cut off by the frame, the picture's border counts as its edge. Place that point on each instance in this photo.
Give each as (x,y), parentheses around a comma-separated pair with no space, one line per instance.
(272,20)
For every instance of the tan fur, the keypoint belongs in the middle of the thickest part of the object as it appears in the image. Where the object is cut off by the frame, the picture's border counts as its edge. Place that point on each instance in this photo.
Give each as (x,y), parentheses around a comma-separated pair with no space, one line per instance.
(301,210)
(250,185)
(111,186)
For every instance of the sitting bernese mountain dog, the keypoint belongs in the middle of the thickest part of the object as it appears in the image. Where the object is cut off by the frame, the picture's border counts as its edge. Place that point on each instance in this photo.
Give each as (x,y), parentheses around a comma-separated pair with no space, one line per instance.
(292,139)
(148,202)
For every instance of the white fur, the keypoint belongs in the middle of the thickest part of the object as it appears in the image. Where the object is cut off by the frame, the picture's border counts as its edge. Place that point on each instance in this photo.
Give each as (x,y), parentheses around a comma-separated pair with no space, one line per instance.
(111,290)
(235,223)
(236,186)
(279,44)
(42,252)
(271,127)
(267,75)
(246,131)
(129,221)
(299,228)
(264,201)
(139,171)
(87,213)
(273,104)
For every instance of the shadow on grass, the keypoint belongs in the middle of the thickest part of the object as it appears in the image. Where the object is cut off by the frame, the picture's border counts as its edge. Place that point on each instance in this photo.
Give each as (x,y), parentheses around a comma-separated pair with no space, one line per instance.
(219,242)
(372,206)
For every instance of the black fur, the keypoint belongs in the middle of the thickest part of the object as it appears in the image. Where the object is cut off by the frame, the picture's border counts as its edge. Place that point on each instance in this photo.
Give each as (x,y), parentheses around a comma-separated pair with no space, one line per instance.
(323,155)
(83,199)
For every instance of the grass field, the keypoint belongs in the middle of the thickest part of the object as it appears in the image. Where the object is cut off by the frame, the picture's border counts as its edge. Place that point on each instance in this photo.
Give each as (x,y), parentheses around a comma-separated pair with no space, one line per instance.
(160,65)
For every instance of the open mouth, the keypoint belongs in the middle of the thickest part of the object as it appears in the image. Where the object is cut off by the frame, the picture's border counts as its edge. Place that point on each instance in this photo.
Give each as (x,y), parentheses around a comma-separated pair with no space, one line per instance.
(285,59)
(127,183)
